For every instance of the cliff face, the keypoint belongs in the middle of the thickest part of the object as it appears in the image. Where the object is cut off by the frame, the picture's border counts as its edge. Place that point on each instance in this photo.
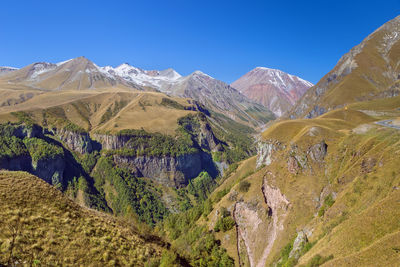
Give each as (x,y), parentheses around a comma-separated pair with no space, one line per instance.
(167,170)
(50,170)
(20,163)
(79,142)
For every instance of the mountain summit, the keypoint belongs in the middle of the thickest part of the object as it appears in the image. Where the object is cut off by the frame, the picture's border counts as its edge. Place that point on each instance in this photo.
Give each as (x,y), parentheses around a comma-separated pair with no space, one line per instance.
(368,71)
(275,89)
(220,97)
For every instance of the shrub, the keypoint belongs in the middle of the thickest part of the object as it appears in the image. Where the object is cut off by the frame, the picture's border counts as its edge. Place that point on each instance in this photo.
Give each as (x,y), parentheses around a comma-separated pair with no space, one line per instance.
(155,144)
(220,194)
(225,222)
(328,202)
(244,186)
(318,260)
(171,103)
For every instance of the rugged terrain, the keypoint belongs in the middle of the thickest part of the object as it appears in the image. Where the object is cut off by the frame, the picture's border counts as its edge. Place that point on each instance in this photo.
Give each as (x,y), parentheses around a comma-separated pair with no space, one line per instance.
(276,90)
(81,74)
(168,173)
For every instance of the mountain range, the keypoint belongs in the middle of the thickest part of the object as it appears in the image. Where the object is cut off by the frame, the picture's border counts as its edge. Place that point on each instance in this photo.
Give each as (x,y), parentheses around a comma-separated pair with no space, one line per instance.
(82,74)
(124,166)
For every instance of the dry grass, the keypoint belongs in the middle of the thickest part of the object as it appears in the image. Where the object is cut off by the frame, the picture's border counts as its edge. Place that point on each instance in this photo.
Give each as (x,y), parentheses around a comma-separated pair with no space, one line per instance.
(52,230)
(103,110)
(361,167)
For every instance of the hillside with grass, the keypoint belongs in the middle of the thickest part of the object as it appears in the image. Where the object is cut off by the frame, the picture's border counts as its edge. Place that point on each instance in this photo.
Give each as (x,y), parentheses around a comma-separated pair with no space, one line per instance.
(368,71)
(321,191)
(41,227)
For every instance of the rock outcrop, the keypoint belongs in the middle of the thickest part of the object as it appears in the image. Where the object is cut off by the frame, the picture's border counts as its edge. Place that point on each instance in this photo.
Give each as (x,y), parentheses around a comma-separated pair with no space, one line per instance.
(265,151)
(168,170)
(257,229)
(79,142)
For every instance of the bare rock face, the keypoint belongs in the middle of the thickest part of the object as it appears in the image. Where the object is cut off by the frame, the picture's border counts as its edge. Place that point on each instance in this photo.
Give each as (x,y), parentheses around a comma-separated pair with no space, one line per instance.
(275,89)
(167,170)
(293,165)
(21,163)
(318,151)
(257,229)
(79,142)
(50,170)
(265,152)
(219,97)
(298,245)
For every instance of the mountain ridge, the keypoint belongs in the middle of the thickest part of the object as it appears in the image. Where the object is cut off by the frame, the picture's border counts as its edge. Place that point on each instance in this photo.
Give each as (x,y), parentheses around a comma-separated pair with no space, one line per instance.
(368,71)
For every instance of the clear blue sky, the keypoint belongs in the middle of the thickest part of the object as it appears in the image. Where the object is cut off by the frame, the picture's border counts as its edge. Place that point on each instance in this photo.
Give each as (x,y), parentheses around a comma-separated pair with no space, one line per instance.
(222,38)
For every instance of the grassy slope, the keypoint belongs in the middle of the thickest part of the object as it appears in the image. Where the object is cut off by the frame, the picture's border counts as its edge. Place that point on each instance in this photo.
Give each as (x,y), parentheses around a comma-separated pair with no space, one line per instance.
(362,225)
(103,110)
(53,230)
(372,75)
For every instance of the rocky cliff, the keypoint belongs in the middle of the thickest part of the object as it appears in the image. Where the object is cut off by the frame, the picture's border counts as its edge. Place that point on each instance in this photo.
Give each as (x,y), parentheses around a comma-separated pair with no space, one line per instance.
(76,141)
(168,170)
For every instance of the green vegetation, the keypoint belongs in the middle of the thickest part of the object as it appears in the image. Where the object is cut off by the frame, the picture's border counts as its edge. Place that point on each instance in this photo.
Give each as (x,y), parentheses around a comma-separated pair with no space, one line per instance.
(318,260)
(220,194)
(193,241)
(244,186)
(23,117)
(286,261)
(11,147)
(132,195)
(240,144)
(328,202)
(154,144)
(201,186)
(40,149)
(73,128)
(112,110)
(171,103)
(88,160)
(225,221)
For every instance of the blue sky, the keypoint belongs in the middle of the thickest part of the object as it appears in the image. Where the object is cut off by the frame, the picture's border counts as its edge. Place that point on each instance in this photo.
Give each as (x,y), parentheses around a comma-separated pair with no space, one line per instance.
(225,39)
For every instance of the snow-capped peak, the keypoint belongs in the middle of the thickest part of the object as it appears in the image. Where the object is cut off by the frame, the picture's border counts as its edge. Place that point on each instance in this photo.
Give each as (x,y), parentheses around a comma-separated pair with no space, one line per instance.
(63,62)
(7,67)
(200,73)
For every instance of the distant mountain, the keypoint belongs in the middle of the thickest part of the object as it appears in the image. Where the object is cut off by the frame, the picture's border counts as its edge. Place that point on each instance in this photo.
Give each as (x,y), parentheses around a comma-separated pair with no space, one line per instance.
(275,89)
(369,71)
(218,96)
(82,74)
(4,70)
(74,74)
(150,78)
